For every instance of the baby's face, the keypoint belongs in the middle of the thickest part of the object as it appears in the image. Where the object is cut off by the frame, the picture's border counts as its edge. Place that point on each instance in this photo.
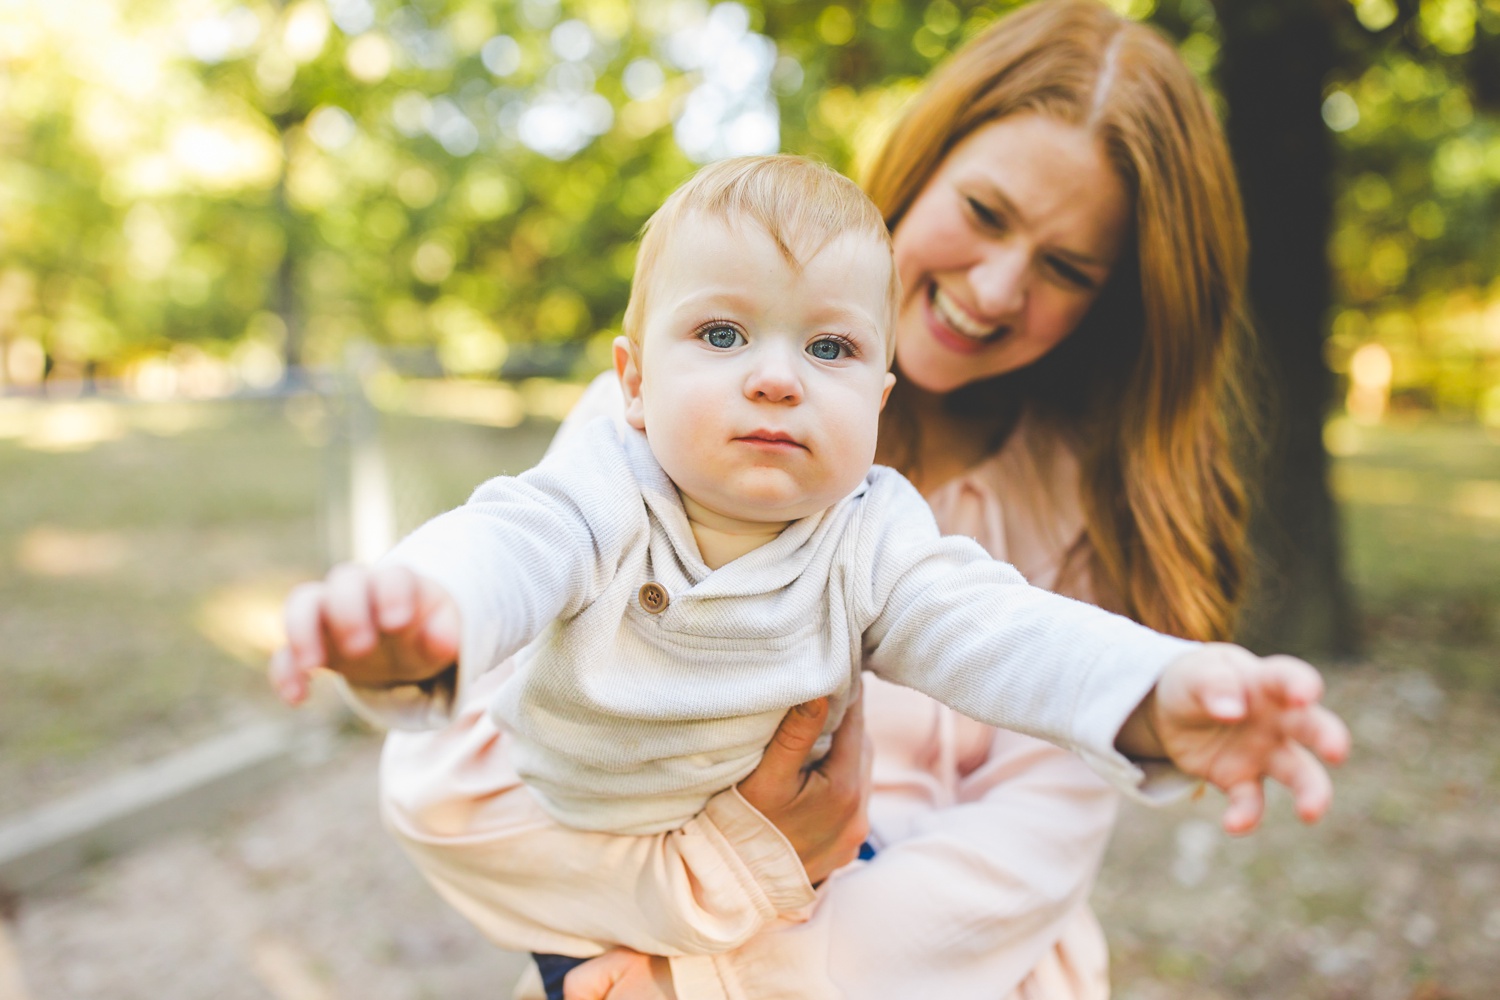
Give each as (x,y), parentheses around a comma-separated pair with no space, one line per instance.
(758,384)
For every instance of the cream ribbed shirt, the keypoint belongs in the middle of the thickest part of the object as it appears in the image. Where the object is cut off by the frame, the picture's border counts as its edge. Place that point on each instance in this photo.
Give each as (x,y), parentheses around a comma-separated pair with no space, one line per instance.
(628,721)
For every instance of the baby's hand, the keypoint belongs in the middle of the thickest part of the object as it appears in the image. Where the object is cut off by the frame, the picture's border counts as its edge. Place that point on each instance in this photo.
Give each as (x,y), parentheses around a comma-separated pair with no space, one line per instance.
(376,627)
(1223,714)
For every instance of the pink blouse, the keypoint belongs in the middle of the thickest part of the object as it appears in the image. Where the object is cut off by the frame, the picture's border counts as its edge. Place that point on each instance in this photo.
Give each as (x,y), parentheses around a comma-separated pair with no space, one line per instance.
(988,841)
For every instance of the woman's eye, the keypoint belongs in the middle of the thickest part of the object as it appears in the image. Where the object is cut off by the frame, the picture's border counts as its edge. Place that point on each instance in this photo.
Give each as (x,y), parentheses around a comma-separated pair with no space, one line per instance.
(1067,272)
(828,349)
(723,337)
(985,215)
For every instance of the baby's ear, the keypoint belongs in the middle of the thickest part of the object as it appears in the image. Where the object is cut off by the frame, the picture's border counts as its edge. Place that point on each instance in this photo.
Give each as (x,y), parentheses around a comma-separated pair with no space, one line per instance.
(885,394)
(628,368)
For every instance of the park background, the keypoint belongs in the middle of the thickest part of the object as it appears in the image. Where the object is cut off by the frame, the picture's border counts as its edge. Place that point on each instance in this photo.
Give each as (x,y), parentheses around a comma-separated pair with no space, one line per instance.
(279,280)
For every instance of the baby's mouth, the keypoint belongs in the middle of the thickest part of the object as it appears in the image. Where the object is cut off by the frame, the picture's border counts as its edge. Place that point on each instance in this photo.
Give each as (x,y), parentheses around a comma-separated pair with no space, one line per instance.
(775,440)
(953,316)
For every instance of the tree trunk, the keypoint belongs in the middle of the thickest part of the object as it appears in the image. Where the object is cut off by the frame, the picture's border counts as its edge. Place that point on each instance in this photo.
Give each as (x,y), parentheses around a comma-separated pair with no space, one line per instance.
(1275,58)
(286,294)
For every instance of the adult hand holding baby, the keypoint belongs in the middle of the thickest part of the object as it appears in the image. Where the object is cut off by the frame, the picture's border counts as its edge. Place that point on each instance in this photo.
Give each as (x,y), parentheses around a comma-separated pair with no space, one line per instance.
(375,627)
(621,974)
(821,810)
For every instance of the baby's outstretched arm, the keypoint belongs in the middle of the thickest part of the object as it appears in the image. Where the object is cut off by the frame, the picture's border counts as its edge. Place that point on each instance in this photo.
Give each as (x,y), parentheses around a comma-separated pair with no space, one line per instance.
(377,627)
(1232,718)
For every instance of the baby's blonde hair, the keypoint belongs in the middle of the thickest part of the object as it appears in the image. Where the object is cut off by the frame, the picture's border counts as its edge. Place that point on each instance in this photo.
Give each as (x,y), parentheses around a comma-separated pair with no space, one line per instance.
(802,205)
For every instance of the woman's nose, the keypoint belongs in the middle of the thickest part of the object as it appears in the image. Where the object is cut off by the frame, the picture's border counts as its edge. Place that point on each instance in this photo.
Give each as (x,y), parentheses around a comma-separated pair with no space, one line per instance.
(999,282)
(773,375)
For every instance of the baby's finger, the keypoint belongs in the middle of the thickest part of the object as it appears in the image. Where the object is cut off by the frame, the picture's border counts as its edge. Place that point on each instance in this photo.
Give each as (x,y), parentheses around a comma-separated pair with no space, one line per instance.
(1311,787)
(1322,732)
(441,629)
(303,617)
(1290,680)
(1247,802)
(287,679)
(348,616)
(393,591)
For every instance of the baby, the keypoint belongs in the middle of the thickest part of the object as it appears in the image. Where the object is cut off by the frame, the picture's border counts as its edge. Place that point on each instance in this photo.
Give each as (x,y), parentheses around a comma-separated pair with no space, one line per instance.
(662,589)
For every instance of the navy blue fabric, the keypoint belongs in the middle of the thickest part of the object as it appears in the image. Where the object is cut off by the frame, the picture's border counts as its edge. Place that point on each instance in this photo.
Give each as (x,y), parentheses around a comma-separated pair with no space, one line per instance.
(553,968)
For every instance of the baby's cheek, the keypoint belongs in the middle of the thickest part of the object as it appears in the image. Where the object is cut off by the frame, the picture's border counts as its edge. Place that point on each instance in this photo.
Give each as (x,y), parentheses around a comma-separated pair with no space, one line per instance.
(852,459)
(672,445)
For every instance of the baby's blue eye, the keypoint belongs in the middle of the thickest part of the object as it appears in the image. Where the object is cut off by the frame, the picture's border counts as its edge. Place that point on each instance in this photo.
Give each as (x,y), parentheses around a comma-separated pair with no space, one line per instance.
(827,349)
(723,337)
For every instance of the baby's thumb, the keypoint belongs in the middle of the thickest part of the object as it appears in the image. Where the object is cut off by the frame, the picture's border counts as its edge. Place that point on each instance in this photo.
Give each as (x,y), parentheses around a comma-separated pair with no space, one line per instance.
(441,633)
(1218,682)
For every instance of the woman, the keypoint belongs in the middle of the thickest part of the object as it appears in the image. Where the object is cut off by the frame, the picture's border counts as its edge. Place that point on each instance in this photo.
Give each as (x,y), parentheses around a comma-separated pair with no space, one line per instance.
(1069,236)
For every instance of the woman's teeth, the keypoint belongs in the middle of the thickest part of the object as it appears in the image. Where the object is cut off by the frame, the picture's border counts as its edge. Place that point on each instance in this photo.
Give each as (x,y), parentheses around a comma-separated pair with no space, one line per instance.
(955,318)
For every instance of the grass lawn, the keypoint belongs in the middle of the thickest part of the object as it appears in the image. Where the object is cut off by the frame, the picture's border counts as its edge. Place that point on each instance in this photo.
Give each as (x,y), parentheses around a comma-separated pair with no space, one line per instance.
(1421,509)
(144,552)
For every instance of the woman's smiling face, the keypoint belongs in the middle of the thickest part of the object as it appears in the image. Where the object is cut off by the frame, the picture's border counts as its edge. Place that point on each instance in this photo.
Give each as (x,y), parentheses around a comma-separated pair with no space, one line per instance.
(1005,249)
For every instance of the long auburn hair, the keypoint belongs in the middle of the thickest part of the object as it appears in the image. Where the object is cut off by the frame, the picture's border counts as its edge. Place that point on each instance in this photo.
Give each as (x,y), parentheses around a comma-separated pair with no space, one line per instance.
(1149,388)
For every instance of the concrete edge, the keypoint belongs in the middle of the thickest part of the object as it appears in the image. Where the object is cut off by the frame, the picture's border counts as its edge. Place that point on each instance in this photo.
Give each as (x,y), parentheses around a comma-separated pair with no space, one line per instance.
(189,787)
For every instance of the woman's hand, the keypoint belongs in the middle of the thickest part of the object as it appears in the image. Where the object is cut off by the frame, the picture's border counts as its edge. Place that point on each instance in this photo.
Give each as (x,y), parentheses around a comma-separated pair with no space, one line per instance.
(819,809)
(620,974)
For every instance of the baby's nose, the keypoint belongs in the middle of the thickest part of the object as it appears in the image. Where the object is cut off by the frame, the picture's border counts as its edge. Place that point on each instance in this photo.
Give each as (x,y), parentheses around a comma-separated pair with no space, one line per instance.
(774,378)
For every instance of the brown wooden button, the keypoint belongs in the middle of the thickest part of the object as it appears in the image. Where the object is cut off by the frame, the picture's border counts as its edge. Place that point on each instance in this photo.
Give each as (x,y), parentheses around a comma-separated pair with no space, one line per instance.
(654,598)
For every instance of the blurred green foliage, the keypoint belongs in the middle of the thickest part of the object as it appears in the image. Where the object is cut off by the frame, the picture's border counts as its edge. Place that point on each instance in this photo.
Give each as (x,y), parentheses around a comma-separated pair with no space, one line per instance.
(466,177)
(1417,246)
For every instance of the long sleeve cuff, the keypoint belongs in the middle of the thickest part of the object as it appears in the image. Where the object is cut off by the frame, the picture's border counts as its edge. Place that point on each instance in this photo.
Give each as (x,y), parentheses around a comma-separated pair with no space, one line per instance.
(768,857)
(428,705)
(1161,783)
(696,977)
(1107,701)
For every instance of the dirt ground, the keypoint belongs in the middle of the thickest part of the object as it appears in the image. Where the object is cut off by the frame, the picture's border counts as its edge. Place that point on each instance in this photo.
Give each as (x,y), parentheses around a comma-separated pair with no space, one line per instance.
(302,897)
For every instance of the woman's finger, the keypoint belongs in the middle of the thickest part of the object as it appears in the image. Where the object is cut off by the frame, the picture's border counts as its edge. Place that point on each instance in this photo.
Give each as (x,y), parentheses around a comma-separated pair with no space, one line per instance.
(866,762)
(594,979)
(779,775)
(848,740)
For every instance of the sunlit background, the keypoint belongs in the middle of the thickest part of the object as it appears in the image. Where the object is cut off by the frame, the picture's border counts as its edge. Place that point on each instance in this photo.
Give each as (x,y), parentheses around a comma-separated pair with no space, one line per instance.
(280,279)
(197,194)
